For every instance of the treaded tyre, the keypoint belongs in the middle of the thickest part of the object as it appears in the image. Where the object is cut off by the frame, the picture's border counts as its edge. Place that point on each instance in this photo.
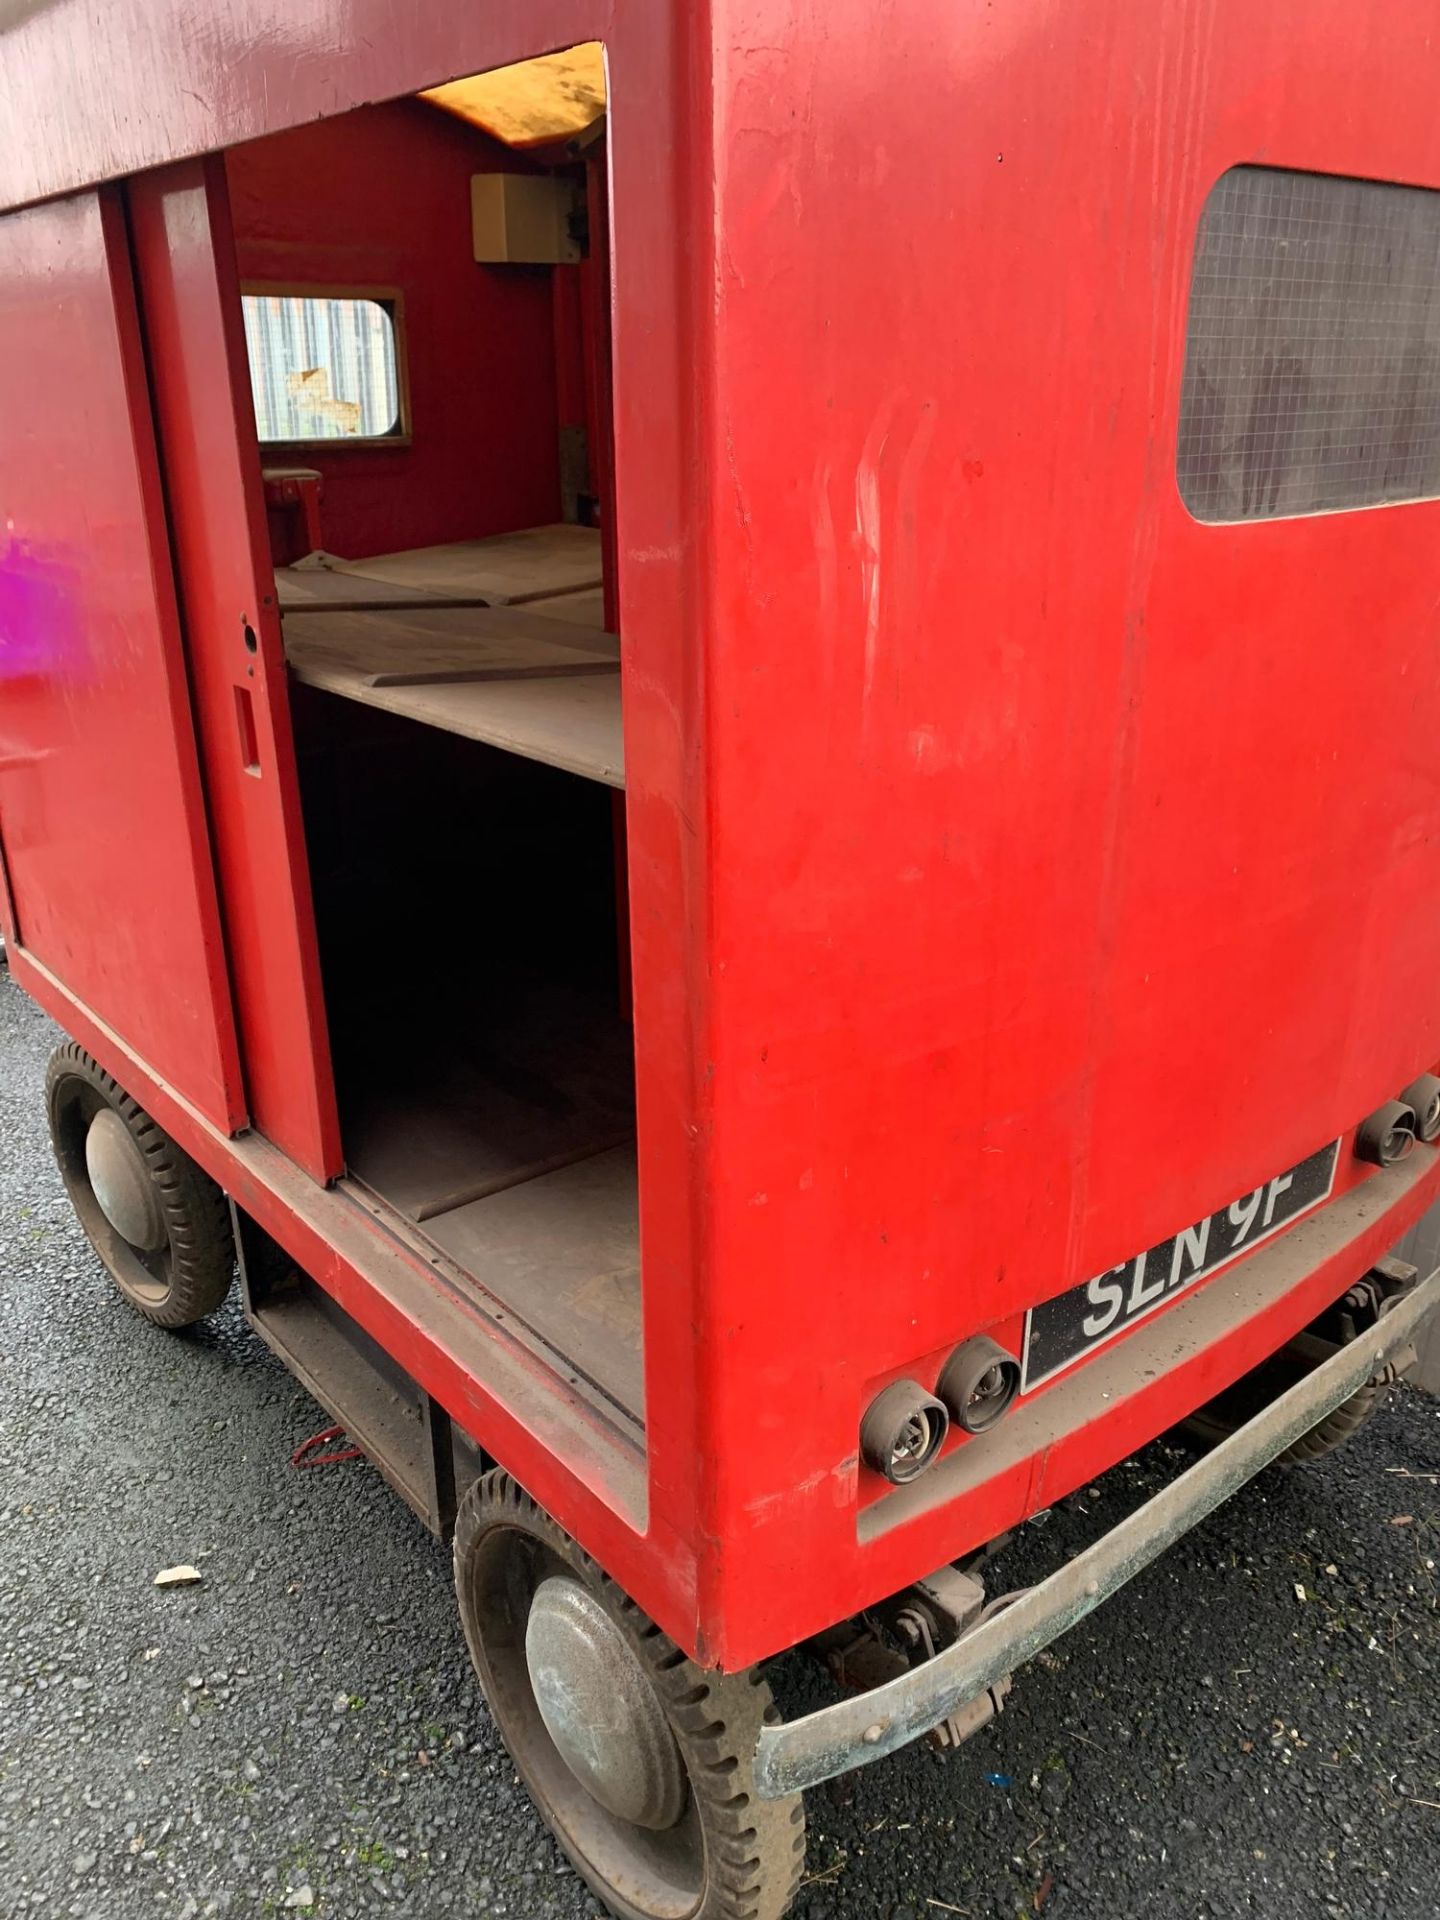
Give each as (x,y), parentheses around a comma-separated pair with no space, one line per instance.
(1220,1417)
(651,1797)
(175,1257)
(1342,1423)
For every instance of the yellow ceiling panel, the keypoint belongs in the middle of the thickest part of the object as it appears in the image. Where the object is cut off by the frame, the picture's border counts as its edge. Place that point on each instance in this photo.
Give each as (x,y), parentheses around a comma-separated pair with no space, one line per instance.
(551,98)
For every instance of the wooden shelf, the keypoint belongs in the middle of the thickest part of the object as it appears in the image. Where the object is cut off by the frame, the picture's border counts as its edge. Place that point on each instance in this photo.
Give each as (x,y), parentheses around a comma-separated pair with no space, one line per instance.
(584,608)
(562,1252)
(451,1103)
(505,570)
(508,676)
(499,1124)
(322,590)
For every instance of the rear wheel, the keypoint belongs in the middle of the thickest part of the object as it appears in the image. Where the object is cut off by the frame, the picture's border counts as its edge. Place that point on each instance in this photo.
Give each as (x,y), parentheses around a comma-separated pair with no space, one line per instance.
(1220,1417)
(1342,1423)
(1358,1310)
(159,1225)
(639,1761)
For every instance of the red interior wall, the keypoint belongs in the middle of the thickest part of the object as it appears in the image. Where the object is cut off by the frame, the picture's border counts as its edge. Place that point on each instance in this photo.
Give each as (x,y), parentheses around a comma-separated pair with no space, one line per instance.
(381,197)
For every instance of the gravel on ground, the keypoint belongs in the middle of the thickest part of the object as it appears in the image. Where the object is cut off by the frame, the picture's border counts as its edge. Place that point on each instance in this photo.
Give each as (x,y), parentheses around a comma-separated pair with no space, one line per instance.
(1249,1729)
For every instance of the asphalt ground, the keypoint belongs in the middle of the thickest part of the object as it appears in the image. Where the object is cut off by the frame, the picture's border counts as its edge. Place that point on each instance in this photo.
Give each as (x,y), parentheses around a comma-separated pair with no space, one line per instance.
(1249,1729)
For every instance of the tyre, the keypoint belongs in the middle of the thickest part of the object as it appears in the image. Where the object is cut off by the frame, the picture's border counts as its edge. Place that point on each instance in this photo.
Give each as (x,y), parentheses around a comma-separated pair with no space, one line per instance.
(1220,1417)
(1342,1423)
(160,1226)
(638,1760)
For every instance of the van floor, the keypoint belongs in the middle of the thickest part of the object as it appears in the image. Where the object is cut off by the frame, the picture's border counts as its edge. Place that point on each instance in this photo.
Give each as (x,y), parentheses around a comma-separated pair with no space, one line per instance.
(505,1137)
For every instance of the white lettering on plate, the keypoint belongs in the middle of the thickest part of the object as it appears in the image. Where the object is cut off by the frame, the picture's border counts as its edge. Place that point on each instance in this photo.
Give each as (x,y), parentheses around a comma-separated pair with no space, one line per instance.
(1192,1245)
(1242,1214)
(1140,1295)
(1107,1293)
(1273,1192)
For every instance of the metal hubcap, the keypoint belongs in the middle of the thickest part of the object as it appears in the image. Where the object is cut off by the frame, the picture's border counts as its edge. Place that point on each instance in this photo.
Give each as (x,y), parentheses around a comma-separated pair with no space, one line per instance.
(121,1182)
(599,1707)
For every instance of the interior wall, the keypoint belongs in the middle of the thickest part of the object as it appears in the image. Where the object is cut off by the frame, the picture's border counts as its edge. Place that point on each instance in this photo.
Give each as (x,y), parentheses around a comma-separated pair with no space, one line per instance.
(381,197)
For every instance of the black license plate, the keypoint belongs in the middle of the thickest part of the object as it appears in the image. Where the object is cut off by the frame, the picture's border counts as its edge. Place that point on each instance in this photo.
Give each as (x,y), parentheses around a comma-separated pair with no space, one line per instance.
(1061,1331)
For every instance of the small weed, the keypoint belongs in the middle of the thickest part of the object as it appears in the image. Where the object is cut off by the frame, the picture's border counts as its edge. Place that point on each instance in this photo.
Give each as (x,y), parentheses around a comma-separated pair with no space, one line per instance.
(297,1869)
(375,1856)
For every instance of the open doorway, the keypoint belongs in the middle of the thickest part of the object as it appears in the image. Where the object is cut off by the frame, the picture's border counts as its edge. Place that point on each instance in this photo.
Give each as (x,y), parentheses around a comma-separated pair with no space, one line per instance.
(425,293)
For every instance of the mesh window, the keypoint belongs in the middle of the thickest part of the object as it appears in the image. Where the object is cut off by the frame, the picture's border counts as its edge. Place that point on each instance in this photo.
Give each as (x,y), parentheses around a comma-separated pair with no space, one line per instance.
(1312,364)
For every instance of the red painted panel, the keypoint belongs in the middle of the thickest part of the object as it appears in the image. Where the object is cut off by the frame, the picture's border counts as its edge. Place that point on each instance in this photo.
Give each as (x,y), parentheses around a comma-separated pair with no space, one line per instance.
(381,198)
(184,260)
(7,905)
(105,840)
(1075,867)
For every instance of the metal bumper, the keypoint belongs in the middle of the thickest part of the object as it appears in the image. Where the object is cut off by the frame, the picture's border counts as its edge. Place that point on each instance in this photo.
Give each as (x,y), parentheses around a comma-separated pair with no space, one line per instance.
(801,1753)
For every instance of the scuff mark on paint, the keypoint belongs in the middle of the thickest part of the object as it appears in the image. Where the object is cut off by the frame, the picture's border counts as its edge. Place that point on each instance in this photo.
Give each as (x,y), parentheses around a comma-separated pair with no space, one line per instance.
(867,537)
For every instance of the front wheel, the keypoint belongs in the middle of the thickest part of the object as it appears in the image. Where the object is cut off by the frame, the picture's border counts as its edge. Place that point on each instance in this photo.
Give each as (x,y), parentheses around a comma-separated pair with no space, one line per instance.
(638,1760)
(159,1225)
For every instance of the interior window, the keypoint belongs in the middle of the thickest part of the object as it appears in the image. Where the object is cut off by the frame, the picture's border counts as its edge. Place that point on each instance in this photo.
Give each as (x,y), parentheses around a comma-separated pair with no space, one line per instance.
(323,366)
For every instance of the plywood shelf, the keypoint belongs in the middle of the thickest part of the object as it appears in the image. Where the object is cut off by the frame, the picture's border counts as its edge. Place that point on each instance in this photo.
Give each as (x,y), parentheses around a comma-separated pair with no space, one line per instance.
(500,1128)
(562,1252)
(505,570)
(583,608)
(448,1104)
(317,589)
(509,676)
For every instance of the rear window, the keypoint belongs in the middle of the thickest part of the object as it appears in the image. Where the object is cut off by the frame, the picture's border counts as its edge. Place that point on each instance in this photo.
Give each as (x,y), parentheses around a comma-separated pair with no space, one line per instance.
(1312,363)
(323,366)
